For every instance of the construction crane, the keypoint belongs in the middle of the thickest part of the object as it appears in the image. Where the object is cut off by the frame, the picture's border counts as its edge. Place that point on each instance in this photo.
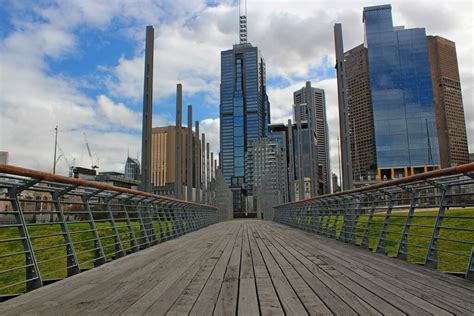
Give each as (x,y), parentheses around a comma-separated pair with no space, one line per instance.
(70,166)
(93,166)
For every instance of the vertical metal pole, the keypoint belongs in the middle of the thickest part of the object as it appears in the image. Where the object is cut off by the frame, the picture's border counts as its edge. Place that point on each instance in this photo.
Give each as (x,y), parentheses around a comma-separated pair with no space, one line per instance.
(197,163)
(470,266)
(55,147)
(291,173)
(299,137)
(33,275)
(179,107)
(211,180)
(432,256)
(189,191)
(144,239)
(145,183)
(71,261)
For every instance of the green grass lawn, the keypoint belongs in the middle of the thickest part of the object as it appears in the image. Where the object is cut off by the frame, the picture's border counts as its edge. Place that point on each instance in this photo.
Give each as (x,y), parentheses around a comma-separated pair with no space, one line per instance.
(52,262)
(418,245)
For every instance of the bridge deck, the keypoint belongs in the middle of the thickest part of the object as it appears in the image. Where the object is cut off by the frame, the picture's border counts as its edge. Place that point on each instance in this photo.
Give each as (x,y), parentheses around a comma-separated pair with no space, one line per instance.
(251,267)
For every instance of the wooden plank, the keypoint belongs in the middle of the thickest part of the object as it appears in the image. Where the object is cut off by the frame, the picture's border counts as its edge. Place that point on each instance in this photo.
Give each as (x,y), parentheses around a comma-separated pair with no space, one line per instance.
(288,298)
(189,295)
(313,304)
(406,303)
(205,303)
(404,284)
(267,296)
(228,296)
(336,297)
(247,303)
(177,276)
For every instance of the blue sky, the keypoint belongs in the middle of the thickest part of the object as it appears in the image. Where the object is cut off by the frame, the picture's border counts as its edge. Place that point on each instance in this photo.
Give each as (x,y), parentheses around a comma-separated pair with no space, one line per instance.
(79,64)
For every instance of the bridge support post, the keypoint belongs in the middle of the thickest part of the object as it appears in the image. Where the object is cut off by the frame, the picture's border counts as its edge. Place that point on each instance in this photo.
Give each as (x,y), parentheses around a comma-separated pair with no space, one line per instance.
(71,261)
(33,276)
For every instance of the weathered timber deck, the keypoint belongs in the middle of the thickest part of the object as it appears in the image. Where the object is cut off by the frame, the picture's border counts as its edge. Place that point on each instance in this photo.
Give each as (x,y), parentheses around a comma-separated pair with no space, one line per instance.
(251,267)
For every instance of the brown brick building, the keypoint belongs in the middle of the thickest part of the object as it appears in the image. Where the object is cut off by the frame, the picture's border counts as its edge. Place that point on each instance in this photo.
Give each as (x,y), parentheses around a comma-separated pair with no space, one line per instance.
(450,120)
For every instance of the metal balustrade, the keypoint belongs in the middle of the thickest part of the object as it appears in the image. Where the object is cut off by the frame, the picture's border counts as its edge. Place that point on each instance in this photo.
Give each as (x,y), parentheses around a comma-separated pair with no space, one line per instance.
(52,227)
(426,218)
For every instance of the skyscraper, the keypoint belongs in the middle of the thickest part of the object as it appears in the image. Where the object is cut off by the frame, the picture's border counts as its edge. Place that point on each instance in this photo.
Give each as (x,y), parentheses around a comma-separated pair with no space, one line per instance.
(313,101)
(244,112)
(402,97)
(361,118)
(453,149)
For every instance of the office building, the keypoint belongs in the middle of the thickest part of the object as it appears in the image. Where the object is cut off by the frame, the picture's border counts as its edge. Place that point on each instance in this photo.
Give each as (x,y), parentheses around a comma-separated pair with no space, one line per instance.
(132,169)
(361,118)
(405,130)
(450,120)
(244,114)
(163,159)
(310,104)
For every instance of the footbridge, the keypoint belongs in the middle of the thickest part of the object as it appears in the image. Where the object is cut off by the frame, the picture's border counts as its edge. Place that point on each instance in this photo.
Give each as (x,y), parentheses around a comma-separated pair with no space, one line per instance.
(73,247)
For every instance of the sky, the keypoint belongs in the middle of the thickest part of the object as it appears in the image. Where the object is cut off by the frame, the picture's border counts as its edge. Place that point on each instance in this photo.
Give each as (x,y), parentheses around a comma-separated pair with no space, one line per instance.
(79,65)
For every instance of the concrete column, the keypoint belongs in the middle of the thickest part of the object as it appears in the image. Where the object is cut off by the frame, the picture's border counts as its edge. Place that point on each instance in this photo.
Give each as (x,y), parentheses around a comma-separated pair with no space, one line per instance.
(145,184)
(203,168)
(197,163)
(299,138)
(179,107)
(208,172)
(189,193)
(313,151)
(346,161)
(291,173)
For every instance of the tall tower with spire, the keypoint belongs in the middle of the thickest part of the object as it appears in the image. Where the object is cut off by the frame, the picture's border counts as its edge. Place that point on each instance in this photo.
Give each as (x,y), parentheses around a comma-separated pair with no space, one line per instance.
(244,112)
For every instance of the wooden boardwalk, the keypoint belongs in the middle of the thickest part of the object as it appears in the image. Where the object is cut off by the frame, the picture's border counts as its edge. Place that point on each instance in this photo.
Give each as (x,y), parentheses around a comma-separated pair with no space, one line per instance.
(250,267)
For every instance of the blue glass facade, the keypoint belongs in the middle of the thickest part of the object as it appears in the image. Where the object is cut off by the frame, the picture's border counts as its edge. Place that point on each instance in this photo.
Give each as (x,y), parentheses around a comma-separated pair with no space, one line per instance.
(244,109)
(402,96)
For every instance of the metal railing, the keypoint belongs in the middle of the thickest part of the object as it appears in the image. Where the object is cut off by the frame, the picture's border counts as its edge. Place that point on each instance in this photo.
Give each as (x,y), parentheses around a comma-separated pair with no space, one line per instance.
(426,218)
(52,227)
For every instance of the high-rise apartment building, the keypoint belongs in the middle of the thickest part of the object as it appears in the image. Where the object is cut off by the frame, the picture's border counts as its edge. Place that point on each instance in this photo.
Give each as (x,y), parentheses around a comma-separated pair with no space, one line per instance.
(310,104)
(361,118)
(405,130)
(453,148)
(163,158)
(244,113)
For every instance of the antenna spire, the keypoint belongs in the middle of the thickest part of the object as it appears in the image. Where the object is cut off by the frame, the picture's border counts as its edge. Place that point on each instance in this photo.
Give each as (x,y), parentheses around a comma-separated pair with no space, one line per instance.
(243,23)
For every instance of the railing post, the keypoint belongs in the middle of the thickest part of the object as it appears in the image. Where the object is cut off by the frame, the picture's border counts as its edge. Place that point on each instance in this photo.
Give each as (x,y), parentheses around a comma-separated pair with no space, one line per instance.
(33,276)
(432,255)
(118,241)
(383,233)
(144,239)
(470,266)
(402,252)
(131,233)
(72,264)
(99,250)
(333,233)
(355,221)
(149,209)
(365,239)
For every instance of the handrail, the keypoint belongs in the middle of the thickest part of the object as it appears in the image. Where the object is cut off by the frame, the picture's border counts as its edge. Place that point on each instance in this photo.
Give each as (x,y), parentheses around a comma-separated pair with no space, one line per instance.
(20,171)
(426,218)
(390,183)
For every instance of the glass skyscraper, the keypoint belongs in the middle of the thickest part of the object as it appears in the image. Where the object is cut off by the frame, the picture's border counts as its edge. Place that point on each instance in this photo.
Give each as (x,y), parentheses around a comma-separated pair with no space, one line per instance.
(244,112)
(401,90)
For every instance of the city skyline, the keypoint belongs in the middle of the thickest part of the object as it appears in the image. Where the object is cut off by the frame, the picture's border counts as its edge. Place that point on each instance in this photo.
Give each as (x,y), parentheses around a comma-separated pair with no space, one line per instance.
(63,66)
